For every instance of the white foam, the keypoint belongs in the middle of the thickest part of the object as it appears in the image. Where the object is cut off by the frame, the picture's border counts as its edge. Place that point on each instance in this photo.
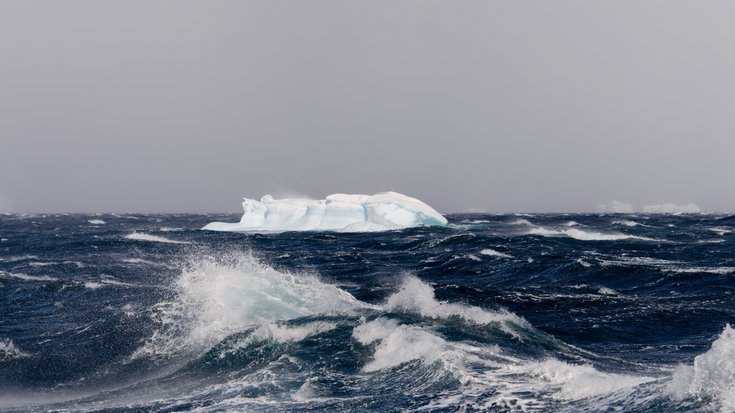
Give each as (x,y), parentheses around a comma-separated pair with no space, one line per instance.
(282,333)
(711,376)
(16,258)
(627,223)
(708,270)
(576,233)
(671,209)
(418,297)
(153,238)
(517,384)
(616,207)
(582,235)
(139,261)
(338,212)
(624,260)
(9,351)
(216,298)
(720,230)
(96,222)
(664,265)
(576,382)
(398,343)
(170,229)
(607,291)
(583,263)
(26,277)
(105,282)
(41,263)
(492,253)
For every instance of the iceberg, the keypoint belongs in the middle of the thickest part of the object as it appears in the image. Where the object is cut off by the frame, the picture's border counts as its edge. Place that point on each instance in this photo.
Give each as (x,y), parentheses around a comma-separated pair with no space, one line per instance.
(338,212)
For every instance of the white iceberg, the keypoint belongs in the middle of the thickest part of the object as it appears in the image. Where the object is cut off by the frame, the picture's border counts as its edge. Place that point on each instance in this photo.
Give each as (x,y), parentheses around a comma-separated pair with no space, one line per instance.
(338,212)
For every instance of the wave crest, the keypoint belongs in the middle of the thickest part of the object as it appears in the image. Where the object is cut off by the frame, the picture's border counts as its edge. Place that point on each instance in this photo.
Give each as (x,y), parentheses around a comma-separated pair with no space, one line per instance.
(711,376)
(218,297)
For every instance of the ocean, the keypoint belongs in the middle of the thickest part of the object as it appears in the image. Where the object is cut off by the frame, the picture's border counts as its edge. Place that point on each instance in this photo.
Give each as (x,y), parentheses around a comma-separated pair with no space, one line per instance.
(498,313)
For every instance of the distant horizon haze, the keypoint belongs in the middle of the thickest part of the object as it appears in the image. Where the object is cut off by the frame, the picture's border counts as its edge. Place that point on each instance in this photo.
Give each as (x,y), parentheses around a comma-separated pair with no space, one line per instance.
(503,106)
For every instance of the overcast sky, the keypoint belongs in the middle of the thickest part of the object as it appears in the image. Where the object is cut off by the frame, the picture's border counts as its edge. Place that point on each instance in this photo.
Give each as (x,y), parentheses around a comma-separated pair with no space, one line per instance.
(504,106)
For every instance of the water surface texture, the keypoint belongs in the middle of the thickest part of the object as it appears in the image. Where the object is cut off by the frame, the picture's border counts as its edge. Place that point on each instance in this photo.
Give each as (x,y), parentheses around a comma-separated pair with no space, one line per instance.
(534,313)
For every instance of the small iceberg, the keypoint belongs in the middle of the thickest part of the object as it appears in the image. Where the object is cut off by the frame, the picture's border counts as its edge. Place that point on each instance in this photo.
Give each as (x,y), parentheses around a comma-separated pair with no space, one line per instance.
(338,212)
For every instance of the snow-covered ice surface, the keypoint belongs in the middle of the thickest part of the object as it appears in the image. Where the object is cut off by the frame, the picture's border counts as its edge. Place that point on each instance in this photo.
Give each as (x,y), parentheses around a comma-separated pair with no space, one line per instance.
(338,212)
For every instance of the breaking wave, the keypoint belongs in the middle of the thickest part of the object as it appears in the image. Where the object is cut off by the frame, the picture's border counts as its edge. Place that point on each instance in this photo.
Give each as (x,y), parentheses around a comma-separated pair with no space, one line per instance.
(234,307)
(711,377)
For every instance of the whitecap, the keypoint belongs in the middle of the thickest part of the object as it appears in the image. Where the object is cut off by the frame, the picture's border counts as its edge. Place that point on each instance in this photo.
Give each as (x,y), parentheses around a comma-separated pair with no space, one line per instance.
(711,376)
(576,382)
(708,270)
(218,297)
(628,223)
(96,222)
(105,282)
(281,333)
(93,285)
(582,235)
(493,253)
(583,263)
(138,236)
(9,351)
(170,229)
(607,291)
(418,297)
(398,343)
(720,230)
(139,261)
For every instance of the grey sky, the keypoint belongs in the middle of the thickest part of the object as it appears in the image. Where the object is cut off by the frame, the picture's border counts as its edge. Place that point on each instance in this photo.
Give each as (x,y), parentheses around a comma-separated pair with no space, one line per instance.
(497,105)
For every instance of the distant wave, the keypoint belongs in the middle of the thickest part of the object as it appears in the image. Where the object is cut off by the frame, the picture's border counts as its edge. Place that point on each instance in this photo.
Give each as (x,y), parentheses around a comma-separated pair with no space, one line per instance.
(720,230)
(492,253)
(669,266)
(628,223)
(138,236)
(579,234)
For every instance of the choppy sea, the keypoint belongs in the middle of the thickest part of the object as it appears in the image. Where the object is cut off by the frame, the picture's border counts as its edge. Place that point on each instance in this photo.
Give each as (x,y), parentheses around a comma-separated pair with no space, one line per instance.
(499,313)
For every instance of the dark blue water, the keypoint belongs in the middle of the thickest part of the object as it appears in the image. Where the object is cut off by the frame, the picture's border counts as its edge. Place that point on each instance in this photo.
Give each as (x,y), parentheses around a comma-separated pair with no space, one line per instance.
(495,313)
